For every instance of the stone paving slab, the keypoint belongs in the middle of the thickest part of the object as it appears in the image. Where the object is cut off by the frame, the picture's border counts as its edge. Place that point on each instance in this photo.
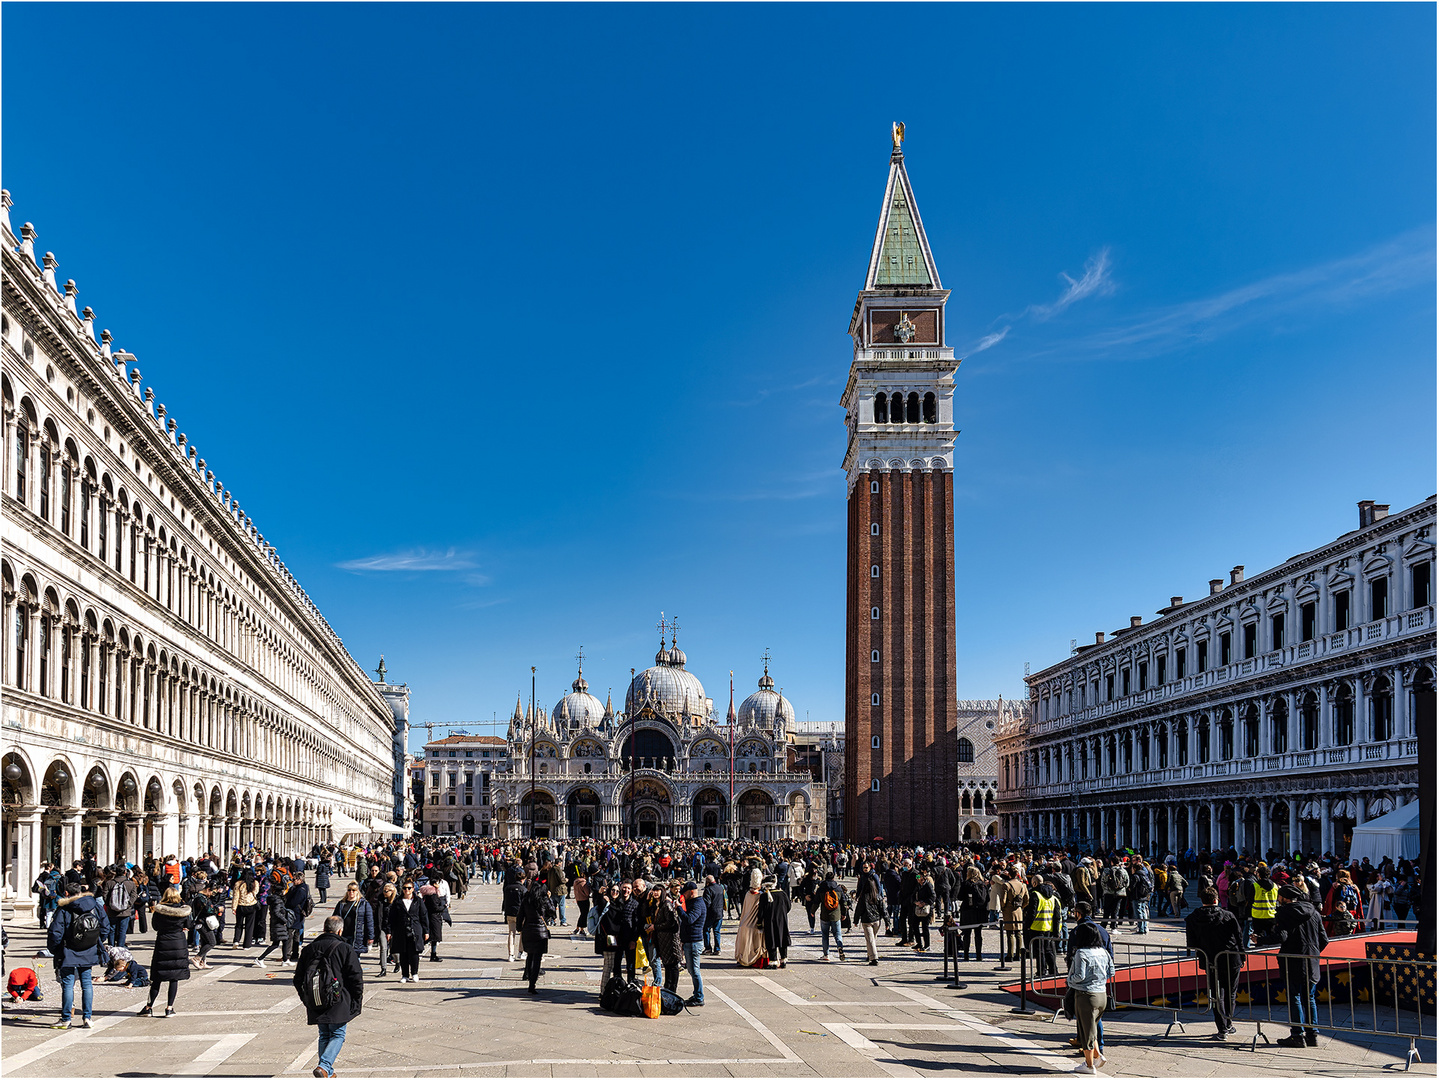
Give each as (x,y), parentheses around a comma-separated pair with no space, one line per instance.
(470,1017)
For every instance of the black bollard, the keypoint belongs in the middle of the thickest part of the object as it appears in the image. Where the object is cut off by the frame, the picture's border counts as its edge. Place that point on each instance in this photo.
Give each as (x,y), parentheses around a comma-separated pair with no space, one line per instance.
(1023,983)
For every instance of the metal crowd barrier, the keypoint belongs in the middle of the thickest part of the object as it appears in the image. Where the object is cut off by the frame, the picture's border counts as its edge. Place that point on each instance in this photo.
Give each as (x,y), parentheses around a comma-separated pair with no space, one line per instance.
(1391,997)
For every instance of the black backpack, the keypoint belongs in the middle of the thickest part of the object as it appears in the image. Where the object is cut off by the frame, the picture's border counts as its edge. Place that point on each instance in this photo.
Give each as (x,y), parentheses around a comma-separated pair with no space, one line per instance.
(1063,889)
(324,984)
(621,997)
(84,931)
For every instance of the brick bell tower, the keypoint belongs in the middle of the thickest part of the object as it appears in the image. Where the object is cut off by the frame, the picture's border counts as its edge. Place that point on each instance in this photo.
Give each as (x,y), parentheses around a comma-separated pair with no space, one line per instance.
(900,706)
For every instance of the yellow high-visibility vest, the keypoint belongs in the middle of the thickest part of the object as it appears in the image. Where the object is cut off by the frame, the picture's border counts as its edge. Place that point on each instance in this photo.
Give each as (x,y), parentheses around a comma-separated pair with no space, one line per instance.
(1045,909)
(1266,902)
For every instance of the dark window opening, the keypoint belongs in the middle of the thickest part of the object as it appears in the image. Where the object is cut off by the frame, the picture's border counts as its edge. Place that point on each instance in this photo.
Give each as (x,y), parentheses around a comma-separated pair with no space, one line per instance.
(966,752)
(1251,733)
(881,409)
(1421,584)
(1203,655)
(1143,676)
(1124,682)
(1251,642)
(931,409)
(1226,651)
(911,409)
(1109,688)
(1179,657)
(1276,631)
(1159,663)
(1341,611)
(896,409)
(1378,598)
(1306,621)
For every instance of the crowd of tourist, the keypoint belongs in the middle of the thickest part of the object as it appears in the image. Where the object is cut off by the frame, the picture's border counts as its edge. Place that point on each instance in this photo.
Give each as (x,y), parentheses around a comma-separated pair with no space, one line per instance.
(657,908)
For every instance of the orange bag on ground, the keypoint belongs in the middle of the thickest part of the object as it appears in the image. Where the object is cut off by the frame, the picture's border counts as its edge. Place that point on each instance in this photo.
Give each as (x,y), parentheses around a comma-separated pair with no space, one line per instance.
(650,1001)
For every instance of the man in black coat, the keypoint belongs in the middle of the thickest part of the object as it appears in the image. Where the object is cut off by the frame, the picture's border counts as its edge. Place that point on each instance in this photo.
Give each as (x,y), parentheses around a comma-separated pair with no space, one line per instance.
(626,920)
(300,904)
(1216,936)
(332,986)
(714,898)
(1299,932)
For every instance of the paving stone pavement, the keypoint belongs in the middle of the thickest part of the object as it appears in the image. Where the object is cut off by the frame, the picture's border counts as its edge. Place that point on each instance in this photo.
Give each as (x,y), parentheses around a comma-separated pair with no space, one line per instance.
(470,1016)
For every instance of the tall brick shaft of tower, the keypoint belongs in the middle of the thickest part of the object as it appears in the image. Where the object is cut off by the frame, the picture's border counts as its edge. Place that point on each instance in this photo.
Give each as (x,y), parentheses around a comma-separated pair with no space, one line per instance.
(900,693)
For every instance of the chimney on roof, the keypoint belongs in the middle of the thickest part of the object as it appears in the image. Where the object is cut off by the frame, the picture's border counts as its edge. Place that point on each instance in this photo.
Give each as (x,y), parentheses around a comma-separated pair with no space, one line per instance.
(1135,621)
(1215,585)
(1236,575)
(1175,601)
(1099,637)
(1371,511)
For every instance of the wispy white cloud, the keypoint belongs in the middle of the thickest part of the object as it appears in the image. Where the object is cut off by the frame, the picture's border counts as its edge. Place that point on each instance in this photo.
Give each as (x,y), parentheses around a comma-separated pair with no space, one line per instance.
(1095,281)
(1398,264)
(419,559)
(989,341)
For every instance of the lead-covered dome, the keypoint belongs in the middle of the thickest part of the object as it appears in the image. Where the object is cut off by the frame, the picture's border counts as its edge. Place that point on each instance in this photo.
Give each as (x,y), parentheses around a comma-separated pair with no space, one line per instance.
(766,703)
(579,708)
(667,686)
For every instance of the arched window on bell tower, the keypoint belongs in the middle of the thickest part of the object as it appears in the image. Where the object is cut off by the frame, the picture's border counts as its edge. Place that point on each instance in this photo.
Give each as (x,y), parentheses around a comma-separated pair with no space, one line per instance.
(896,409)
(881,408)
(911,409)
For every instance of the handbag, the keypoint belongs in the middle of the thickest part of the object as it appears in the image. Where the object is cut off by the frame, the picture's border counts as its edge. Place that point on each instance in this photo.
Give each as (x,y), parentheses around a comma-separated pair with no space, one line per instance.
(212,922)
(650,1000)
(642,958)
(921,909)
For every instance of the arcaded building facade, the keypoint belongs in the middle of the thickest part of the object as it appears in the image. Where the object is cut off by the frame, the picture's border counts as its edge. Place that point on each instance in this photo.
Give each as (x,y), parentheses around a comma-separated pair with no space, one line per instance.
(900,670)
(1274,714)
(168,686)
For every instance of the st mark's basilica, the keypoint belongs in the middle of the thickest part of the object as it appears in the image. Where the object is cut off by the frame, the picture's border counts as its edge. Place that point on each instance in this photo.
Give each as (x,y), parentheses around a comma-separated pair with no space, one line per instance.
(666,766)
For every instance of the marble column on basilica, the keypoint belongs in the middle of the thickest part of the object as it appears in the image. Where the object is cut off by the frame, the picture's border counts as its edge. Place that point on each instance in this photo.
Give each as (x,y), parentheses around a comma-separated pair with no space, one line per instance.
(1326,824)
(1216,841)
(1266,840)
(1295,829)
(105,852)
(70,820)
(1240,838)
(162,828)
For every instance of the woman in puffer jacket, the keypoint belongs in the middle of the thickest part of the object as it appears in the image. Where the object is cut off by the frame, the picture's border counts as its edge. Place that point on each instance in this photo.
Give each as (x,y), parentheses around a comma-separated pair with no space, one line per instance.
(171,960)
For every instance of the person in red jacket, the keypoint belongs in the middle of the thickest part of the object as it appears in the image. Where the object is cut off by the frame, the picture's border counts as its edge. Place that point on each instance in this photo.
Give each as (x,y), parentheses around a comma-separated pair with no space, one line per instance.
(24,985)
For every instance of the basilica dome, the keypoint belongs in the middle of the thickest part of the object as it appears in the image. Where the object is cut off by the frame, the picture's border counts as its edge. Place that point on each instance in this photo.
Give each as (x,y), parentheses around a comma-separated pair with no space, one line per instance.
(668,686)
(579,708)
(761,707)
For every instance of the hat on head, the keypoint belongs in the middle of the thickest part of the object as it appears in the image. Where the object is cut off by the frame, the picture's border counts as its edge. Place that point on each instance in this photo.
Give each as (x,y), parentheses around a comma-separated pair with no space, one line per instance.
(1289,892)
(688,885)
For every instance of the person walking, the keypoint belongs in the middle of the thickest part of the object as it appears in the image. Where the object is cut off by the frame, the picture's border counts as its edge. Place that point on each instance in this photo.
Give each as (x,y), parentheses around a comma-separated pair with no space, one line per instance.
(1089,974)
(79,926)
(511,895)
(279,916)
(435,894)
(331,983)
(869,910)
(301,905)
(833,911)
(170,962)
(407,931)
(246,902)
(359,919)
(581,889)
(385,897)
(536,912)
(1216,936)
(322,879)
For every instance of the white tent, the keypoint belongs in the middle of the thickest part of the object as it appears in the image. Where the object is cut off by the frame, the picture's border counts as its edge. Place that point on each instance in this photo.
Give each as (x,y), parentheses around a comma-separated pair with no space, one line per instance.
(343,825)
(1395,835)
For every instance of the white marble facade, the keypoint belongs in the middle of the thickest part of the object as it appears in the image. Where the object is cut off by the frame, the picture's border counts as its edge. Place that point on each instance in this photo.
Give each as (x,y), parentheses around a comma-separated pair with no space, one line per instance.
(168,687)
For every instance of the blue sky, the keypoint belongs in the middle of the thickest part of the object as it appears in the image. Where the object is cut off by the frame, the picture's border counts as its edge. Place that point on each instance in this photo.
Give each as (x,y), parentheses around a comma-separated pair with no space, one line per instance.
(512,327)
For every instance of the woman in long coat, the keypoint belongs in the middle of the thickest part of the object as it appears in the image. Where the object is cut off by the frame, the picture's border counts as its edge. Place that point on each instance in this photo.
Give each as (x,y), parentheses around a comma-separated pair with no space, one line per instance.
(171,960)
(436,895)
(749,938)
(407,931)
(774,921)
(536,910)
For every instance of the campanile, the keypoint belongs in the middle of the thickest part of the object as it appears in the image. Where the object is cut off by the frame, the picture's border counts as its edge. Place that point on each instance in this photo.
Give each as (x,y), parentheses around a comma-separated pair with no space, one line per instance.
(900,696)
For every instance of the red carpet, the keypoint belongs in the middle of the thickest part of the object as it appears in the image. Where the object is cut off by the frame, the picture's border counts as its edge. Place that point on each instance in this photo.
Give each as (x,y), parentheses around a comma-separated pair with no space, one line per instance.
(1175,982)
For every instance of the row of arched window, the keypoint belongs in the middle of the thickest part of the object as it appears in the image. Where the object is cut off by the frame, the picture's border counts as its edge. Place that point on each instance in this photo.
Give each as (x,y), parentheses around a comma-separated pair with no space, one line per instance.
(899,409)
(98,666)
(48,477)
(1225,736)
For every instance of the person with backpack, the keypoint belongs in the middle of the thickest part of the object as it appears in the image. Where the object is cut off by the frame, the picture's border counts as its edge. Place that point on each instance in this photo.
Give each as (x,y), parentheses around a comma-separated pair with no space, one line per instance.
(1114,884)
(1175,885)
(833,910)
(331,983)
(302,905)
(74,938)
(48,885)
(120,904)
(279,915)
(1141,887)
(170,962)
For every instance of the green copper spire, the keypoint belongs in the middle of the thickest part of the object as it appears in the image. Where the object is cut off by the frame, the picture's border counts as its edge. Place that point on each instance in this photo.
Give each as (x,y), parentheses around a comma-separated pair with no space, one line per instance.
(901,257)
